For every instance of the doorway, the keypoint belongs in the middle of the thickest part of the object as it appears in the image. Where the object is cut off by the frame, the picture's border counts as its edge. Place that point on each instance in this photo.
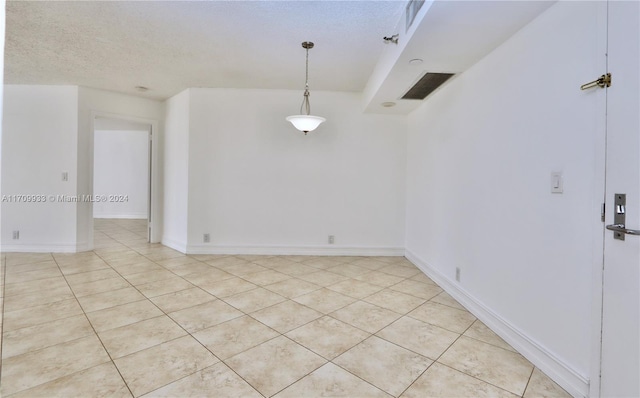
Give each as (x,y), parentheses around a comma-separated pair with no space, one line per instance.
(122,175)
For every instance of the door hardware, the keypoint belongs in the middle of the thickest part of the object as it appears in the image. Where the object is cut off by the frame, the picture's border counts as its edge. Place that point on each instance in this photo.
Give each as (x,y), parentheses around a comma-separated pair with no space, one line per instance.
(603,81)
(618,227)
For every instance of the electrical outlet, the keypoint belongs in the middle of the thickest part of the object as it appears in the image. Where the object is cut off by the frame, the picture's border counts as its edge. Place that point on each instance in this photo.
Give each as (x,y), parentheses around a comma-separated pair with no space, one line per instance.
(332,239)
(458,274)
(16,234)
(206,238)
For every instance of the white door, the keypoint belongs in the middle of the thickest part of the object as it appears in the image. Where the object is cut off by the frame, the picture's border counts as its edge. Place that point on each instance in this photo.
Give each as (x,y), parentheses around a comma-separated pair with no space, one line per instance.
(620,356)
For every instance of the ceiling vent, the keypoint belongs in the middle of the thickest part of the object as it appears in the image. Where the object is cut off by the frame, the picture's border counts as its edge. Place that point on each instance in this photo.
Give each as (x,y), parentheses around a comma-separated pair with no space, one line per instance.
(412,10)
(426,85)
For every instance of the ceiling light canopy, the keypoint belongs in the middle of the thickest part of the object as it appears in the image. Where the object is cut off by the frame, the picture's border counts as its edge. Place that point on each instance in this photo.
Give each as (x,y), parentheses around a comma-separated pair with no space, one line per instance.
(306,122)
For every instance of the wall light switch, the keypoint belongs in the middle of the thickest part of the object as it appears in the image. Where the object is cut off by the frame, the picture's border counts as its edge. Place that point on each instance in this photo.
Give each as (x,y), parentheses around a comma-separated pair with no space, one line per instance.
(556,182)
(65,176)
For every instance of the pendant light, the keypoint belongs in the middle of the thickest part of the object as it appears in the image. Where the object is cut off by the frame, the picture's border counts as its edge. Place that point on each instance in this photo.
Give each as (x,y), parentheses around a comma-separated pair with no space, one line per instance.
(306,122)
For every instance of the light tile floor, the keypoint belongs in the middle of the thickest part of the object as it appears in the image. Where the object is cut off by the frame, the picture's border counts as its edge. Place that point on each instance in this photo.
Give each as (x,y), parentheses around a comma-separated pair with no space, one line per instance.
(138,319)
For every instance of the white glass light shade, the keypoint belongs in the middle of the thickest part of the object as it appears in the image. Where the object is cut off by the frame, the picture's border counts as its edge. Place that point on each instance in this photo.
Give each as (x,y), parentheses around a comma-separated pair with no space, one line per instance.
(305,123)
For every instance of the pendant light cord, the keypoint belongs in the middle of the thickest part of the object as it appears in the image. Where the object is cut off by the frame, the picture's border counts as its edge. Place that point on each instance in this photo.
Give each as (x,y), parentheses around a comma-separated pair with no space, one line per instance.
(305,102)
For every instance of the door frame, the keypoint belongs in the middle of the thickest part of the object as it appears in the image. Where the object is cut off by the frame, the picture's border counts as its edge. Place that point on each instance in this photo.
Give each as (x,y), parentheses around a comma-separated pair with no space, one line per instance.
(600,197)
(600,152)
(153,210)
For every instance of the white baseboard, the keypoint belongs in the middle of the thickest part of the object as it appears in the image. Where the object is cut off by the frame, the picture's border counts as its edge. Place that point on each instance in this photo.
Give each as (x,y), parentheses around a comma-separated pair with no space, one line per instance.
(568,378)
(84,246)
(41,248)
(295,250)
(174,244)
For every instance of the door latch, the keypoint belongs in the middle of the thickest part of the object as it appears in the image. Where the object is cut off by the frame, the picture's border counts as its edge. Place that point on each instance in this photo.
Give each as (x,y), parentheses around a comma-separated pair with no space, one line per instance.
(602,82)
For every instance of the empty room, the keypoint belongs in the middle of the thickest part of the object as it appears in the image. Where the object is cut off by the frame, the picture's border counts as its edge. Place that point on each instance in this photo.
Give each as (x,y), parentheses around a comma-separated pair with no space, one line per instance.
(320,199)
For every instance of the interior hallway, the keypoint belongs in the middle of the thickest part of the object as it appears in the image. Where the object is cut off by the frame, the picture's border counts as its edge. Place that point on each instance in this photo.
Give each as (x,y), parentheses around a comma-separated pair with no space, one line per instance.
(137,319)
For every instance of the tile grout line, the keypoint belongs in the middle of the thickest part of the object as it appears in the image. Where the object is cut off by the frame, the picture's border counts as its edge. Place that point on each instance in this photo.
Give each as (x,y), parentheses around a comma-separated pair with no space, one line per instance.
(457,370)
(92,327)
(354,326)
(79,338)
(145,298)
(390,342)
(355,375)
(311,350)
(528,381)
(257,320)
(185,330)
(436,360)
(155,305)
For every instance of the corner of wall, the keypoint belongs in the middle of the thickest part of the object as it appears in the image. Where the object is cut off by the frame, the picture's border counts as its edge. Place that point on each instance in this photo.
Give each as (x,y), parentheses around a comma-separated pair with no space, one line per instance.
(543,358)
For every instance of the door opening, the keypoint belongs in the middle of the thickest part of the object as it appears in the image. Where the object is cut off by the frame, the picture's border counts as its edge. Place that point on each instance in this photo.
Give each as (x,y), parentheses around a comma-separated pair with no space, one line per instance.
(122,176)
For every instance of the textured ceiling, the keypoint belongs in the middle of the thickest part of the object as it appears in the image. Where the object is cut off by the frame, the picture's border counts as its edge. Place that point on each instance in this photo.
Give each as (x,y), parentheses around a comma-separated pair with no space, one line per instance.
(169,46)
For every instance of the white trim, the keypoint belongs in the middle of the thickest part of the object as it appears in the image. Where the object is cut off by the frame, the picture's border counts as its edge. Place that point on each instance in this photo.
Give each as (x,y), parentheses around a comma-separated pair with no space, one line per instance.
(84,246)
(174,244)
(47,248)
(599,196)
(296,250)
(568,378)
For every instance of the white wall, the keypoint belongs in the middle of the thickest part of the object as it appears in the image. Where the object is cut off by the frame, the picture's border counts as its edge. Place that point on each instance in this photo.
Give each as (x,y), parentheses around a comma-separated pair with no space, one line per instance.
(176,171)
(258,185)
(480,154)
(39,133)
(121,173)
(48,130)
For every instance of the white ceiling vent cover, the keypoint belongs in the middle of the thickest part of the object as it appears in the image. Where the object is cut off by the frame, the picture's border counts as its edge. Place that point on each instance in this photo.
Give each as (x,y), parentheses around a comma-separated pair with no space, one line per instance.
(412,10)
